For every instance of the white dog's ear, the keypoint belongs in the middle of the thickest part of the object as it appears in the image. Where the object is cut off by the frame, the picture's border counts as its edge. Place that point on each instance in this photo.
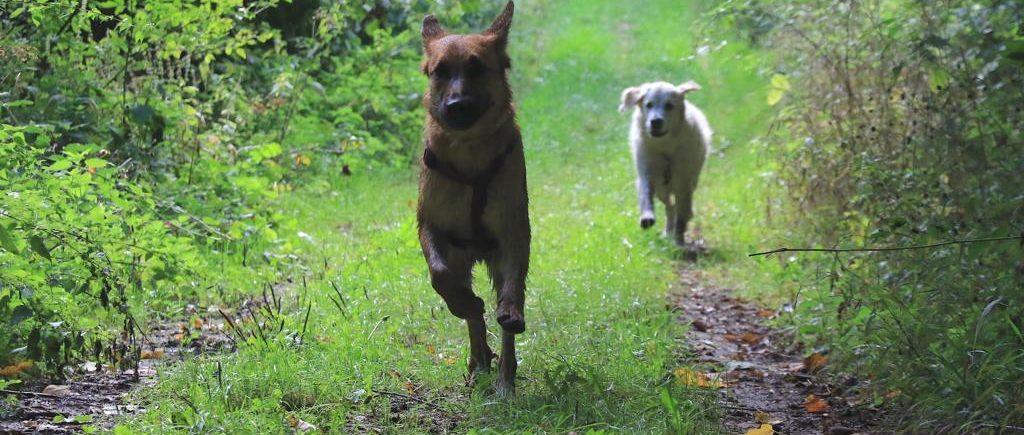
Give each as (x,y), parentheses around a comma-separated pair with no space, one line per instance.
(689,86)
(630,96)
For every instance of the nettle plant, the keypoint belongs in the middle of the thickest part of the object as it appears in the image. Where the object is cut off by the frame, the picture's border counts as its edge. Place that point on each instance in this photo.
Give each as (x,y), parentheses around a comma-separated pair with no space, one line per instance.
(80,249)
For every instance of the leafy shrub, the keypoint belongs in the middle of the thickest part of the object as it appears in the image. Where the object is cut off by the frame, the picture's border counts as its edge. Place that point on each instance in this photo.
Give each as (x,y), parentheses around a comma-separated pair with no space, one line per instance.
(79,246)
(198,115)
(904,128)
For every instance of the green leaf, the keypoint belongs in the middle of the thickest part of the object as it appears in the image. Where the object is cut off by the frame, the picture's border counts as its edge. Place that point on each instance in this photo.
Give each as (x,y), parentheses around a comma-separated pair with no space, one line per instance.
(6,241)
(774,96)
(95,163)
(39,247)
(59,165)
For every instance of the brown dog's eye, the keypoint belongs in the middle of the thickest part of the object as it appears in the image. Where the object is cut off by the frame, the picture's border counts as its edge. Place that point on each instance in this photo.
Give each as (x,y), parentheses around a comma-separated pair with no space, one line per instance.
(668,106)
(474,68)
(441,72)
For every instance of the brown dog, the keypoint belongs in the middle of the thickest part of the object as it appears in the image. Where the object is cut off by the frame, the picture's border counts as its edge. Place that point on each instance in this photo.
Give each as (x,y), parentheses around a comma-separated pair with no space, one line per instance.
(473,203)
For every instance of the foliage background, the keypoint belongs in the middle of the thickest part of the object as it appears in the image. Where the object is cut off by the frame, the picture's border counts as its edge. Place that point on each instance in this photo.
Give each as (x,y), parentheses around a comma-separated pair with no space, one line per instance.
(899,124)
(144,146)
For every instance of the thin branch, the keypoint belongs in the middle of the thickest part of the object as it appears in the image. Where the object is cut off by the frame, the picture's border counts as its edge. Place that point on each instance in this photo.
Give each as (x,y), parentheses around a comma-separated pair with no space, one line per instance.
(891,248)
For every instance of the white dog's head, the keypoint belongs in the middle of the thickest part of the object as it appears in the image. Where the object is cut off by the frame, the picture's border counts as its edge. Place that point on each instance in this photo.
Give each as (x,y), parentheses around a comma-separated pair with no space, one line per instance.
(662,105)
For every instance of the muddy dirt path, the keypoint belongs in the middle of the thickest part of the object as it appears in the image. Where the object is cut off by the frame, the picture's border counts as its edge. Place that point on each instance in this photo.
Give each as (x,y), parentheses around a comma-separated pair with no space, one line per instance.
(767,383)
(96,395)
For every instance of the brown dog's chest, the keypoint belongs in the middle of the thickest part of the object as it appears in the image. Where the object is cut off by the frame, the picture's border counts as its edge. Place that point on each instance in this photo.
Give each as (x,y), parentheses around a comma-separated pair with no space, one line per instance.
(448,205)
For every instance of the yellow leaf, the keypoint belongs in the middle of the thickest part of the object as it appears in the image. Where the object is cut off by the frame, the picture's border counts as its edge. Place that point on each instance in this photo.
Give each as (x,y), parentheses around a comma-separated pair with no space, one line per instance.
(694,379)
(764,429)
(780,82)
(14,369)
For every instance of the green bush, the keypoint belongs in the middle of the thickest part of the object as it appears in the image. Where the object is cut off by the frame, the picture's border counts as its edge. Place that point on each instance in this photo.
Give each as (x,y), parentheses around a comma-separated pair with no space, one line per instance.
(904,128)
(198,116)
(79,246)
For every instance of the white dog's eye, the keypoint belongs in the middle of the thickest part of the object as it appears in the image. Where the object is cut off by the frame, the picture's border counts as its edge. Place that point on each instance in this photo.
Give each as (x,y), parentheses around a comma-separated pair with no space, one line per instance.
(650,105)
(668,106)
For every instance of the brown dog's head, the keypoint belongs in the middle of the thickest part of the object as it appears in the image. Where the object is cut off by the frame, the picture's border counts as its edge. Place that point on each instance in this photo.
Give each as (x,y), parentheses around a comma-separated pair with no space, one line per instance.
(468,81)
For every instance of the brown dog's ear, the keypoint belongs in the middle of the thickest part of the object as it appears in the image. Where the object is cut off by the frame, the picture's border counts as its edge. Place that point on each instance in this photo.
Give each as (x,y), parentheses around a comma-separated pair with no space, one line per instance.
(689,86)
(499,29)
(431,30)
(630,97)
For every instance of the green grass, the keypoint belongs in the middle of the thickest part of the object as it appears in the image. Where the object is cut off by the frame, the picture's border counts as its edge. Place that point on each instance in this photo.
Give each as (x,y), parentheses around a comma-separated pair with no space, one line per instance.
(600,344)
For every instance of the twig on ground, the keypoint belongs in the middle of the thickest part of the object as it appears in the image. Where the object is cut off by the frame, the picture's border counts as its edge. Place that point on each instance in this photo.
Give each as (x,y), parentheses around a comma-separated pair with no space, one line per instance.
(891,248)
(413,398)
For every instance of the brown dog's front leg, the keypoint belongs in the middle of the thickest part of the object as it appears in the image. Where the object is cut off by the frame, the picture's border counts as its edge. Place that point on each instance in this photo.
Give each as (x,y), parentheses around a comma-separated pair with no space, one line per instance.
(480,354)
(451,276)
(511,298)
(507,366)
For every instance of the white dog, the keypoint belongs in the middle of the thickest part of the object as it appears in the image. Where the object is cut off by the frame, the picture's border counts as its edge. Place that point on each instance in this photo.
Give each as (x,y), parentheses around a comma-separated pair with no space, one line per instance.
(670,138)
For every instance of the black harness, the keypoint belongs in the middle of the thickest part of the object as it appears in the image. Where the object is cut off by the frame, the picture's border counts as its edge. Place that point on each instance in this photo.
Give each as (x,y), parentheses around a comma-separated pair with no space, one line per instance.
(480,239)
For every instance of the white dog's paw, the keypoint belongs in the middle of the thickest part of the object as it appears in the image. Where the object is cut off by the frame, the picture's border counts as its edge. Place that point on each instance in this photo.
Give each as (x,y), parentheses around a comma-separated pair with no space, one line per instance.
(646,220)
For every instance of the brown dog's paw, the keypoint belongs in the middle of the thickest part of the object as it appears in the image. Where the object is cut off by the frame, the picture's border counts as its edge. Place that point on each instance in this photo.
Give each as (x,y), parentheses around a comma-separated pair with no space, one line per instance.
(512,322)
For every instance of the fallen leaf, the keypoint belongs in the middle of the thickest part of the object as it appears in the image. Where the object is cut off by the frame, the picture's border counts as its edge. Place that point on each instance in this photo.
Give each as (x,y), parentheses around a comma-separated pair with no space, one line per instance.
(14,369)
(751,338)
(815,404)
(765,313)
(431,349)
(155,354)
(761,417)
(299,425)
(409,388)
(814,362)
(703,380)
(731,337)
(57,390)
(179,336)
(197,323)
(450,360)
(764,429)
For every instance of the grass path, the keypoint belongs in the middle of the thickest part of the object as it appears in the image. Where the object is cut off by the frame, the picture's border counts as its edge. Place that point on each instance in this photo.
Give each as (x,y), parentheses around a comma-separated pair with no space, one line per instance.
(601,341)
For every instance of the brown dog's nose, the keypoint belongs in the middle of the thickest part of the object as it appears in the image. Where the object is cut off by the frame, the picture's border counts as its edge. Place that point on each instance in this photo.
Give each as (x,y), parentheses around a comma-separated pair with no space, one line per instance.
(457,105)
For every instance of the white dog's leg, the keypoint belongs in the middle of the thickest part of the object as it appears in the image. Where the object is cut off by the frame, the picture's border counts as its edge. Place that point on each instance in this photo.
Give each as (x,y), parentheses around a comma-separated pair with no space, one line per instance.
(684,211)
(665,196)
(644,175)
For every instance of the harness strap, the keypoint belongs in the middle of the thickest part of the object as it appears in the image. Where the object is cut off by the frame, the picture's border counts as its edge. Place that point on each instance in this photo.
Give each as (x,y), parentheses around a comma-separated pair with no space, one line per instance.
(481,239)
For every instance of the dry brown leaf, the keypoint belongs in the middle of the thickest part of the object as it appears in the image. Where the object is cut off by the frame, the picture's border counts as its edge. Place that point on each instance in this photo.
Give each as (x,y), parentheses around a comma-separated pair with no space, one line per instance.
(409,388)
(197,323)
(731,337)
(814,362)
(764,429)
(14,369)
(815,404)
(155,354)
(751,338)
(765,313)
(431,349)
(450,360)
(57,390)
